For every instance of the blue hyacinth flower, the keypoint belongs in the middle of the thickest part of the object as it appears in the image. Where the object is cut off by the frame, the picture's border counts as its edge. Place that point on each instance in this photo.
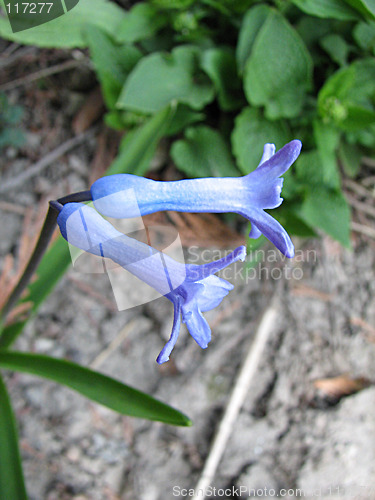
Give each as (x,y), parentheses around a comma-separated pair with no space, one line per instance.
(192,289)
(248,196)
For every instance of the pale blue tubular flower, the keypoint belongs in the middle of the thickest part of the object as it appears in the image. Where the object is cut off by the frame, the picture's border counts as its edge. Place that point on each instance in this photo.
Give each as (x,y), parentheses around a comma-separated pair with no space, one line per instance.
(192,289)
(248,196)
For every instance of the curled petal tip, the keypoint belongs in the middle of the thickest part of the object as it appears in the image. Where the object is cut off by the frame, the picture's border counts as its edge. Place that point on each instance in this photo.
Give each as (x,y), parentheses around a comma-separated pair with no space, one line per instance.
(241,253)
(268,151)
(162,359)
(297,146)
(290,252)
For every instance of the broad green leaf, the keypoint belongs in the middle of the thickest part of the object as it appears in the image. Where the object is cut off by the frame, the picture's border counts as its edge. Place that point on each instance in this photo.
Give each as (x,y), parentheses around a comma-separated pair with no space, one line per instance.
(140,23)
(220,65)
(350,156)
(95,386)
(67,30)
(347,98)
(183,117)
(50,270)
(278,72)
(159,79)
(333,9)
(327,140)
(251,131)
(113,119)
(364,35)
(336,47)
(229,5)
(9,113)
(293,188)
(312,31)
(251,25)
(173,4)
(365,7)
(11,476)
(203,153)
(363,137)
(139,145)
(291,221)
(309,169)
(12,136)
(327,210)
(112,62)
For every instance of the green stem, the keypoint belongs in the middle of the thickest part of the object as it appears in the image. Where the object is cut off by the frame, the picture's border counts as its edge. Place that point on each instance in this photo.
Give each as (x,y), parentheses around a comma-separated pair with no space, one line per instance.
(41,247)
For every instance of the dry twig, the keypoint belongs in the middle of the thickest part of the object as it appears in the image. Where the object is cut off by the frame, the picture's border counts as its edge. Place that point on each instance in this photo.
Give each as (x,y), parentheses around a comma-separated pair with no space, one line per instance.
(47,160)
(237,398)
(361,228)
(43,73)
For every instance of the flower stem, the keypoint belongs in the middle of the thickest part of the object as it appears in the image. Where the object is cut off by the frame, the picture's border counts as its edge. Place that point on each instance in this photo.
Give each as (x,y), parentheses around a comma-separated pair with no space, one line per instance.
(41,246)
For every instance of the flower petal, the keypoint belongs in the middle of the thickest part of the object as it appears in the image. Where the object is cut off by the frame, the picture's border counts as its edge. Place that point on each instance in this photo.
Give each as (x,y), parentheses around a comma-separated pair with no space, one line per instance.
(255,231)
(272,230)
(278,164)
(167,349)
(199,272)
(213,291)
(268,152)
(198,327)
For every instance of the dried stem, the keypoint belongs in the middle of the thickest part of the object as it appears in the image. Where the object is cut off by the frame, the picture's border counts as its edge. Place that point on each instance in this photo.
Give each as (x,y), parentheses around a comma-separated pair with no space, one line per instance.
(237,398)
(41,246)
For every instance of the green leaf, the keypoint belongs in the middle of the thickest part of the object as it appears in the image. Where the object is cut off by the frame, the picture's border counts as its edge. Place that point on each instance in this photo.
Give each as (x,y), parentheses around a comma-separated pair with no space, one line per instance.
(113,119)
(312,31)
(67,30)
(183,117)
(365,7)
(292,223)
(112,62)
(173,4)
(220,65)
(203,153)
(350,156)
(140,23)
(364,35)
(309,169)
(139,145)
(251,25)
(333,9)
(364,137)
(329,211)
(50,270)
(11,476)
(251,131)
(279,69)
(159,79)
(12,136)
(327,140)
(347,98)
(336,47)
(95,386)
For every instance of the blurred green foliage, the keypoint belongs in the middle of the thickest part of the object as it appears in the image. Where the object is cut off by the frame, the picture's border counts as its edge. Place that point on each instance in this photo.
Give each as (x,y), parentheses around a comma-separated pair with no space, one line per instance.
(10,117)
(240,74)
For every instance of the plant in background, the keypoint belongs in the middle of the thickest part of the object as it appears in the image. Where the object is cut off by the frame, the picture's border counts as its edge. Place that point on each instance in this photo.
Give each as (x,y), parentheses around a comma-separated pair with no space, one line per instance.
(239,74)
